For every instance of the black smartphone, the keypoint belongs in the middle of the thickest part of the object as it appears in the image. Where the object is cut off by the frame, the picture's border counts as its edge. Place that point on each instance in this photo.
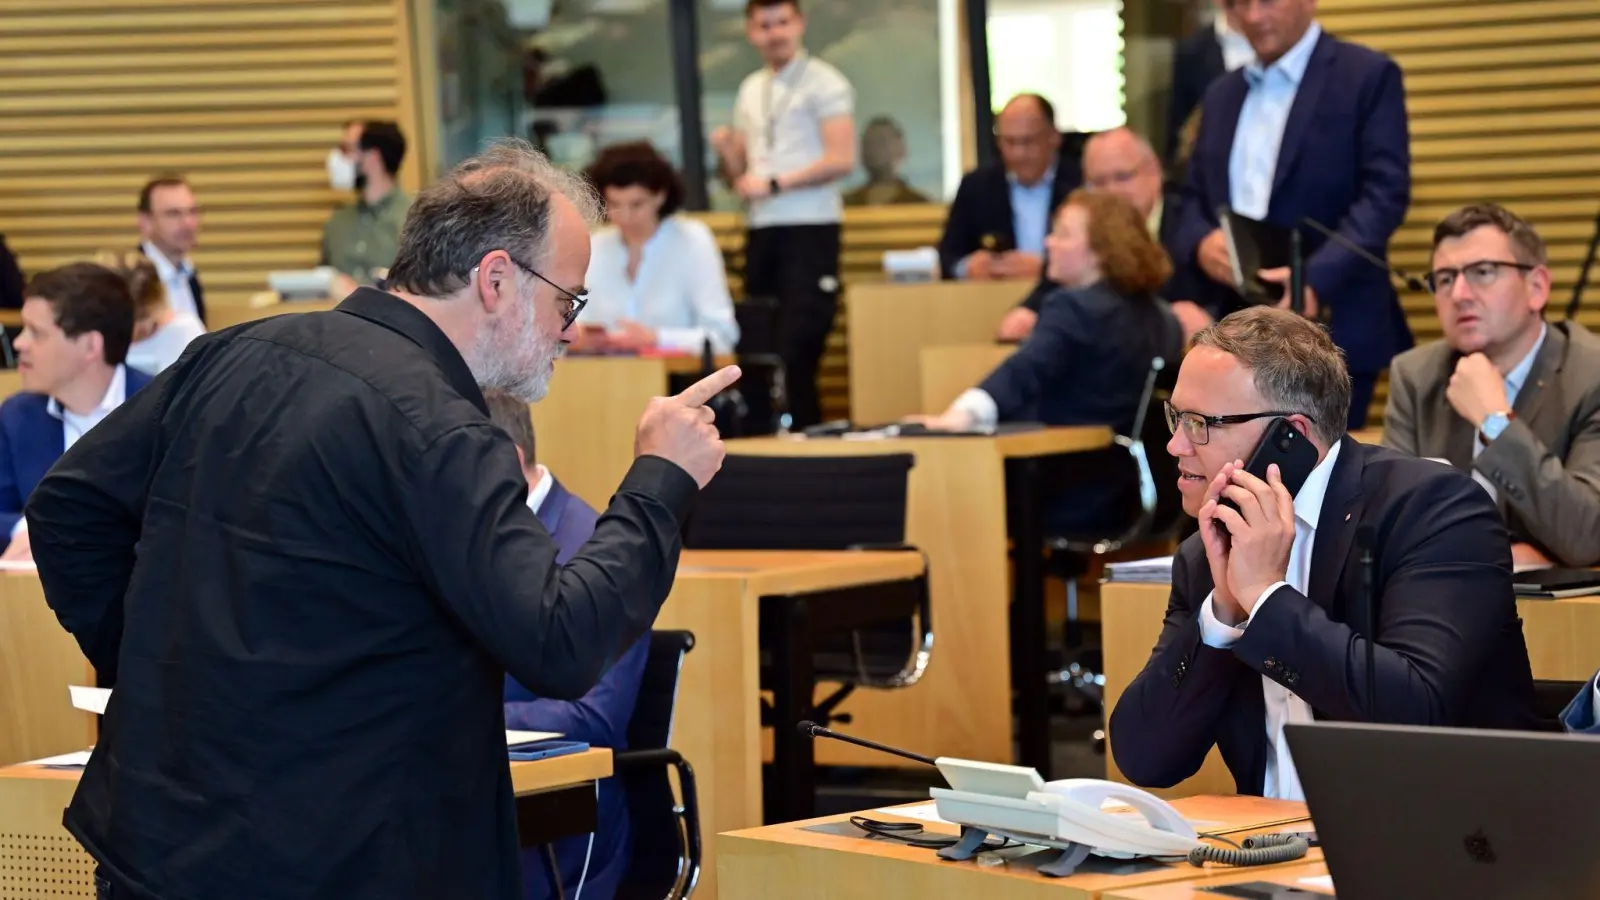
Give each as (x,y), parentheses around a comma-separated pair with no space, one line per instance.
(1284,445)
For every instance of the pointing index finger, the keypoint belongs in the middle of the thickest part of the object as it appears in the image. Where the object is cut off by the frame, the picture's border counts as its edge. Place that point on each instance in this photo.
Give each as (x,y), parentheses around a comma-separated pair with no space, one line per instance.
(699,393)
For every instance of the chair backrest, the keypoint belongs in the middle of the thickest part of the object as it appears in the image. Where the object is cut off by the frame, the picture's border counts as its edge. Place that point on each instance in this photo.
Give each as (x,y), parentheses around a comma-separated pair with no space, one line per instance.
(1154,434)
(766,391)
(802,503)
(653,818)
(758,325)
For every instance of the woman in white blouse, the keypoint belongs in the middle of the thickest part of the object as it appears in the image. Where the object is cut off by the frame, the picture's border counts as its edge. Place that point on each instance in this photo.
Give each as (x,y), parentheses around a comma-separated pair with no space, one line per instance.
(160,333)
(656,279)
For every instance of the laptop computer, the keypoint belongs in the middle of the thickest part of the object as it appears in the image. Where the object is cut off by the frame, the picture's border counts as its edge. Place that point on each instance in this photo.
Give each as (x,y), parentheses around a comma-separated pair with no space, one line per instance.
(1452,812)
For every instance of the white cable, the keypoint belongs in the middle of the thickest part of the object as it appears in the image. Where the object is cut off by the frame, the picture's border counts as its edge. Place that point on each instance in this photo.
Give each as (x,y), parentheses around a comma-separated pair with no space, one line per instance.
(585,874)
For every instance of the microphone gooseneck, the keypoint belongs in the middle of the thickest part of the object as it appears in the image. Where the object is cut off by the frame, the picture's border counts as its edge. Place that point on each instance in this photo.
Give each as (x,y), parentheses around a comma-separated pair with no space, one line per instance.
(1411,281)
(1365,539)
(813,730)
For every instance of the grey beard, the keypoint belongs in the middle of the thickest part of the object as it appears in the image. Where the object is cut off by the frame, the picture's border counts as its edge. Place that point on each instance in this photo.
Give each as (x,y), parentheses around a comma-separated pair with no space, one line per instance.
(494,363)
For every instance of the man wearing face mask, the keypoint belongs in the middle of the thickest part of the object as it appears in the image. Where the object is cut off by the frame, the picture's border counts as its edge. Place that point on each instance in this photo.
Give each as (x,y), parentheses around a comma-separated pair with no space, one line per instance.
(360,240)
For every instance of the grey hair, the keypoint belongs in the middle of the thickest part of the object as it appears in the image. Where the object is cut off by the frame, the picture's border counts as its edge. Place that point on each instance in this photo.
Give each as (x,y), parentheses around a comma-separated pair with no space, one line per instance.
(496,200)
(1297,367)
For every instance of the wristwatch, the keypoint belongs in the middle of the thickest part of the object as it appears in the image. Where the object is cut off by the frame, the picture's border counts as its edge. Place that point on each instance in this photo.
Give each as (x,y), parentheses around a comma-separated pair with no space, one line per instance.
(1494,423)
(774,185)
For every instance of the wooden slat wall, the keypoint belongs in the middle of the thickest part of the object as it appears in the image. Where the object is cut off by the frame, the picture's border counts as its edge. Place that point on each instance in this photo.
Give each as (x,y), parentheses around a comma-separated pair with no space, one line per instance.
(1504,98)
(245,97)
(868,232)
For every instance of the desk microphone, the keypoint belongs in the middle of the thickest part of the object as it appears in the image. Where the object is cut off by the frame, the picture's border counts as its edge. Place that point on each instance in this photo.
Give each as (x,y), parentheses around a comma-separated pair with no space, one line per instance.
(1411,281)
(813,730)
(1365,538)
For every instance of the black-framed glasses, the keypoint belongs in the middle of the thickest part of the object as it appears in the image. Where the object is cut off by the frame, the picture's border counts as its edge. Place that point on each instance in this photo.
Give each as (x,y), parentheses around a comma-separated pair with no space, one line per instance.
(1480,274)
(572,303)
(1198,427)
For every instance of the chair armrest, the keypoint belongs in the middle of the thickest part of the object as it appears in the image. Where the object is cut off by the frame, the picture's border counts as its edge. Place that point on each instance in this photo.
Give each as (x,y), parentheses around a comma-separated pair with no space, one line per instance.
(632,760)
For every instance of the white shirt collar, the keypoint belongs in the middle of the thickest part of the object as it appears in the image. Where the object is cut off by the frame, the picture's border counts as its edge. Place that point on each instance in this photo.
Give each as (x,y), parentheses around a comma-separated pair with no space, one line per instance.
(791,67)
(116,392)
(1519,375)
(1308,503)
(541,489)
(1292,64)
(166,268)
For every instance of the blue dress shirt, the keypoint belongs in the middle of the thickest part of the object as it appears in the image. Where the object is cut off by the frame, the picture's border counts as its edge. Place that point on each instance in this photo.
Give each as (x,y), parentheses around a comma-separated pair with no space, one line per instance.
(1254,160)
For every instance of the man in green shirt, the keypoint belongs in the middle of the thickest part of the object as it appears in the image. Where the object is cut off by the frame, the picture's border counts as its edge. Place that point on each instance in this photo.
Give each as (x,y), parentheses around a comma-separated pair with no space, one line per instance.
(360,239)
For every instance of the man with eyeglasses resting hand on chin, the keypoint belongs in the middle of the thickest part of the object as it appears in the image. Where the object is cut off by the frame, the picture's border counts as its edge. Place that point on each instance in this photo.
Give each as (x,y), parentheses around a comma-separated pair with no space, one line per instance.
(1505,396)
(1266,624)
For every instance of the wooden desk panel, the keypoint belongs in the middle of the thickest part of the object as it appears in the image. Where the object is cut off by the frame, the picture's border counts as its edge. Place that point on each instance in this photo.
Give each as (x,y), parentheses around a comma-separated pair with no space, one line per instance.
(889,324)
(263,306)
(1215,875)
(717,726)
(535,775)
(10,382)
(949,369)
(956,515)
(790,862)
(38,661)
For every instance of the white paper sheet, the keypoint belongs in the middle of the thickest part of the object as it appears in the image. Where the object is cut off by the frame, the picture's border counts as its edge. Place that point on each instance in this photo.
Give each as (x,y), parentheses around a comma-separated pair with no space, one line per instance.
(1318,881)
(90,699)
(17,565)
(528,737)
(76,758)
(922,812)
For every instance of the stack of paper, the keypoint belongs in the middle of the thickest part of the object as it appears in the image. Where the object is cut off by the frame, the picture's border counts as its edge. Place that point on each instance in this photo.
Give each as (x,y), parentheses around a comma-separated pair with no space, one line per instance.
(1141,571)
(527,737)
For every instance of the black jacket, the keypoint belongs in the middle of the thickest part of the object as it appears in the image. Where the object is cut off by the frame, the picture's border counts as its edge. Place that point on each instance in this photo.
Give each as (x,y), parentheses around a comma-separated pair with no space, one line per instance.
(982,207)
(304,558)
(1450,647)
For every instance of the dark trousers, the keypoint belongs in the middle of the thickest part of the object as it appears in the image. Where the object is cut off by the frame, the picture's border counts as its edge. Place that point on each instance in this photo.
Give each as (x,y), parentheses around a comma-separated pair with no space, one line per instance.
(798,266)
(1362,385)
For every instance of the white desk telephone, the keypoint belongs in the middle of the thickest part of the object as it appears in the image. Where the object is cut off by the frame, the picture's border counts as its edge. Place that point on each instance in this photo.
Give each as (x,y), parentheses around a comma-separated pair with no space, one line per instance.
(1014,802)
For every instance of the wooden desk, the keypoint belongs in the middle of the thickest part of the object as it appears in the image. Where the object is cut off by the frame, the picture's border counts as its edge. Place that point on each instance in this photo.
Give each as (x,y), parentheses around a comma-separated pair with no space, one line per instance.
(1191,889)
(949,369)
(10,382)
(38,661)
(263,305)
(717,725)
(956,514)
(889,324)
(1372,436)
(829,858)
(40,858)
(1563,638)
(585,425)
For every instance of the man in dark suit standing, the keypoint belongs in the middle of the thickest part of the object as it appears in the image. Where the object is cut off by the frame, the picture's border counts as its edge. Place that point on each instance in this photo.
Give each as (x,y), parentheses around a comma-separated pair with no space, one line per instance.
(600,717)
(1211,51)
(1505,396)
(1267,622)
(1316,127)
(169,229)
(1002,210)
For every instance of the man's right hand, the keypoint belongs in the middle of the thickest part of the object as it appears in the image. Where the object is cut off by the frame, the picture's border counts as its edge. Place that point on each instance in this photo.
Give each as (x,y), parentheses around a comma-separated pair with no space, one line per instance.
(1223,604)
(1213,258)
(681,429)
(1017,324)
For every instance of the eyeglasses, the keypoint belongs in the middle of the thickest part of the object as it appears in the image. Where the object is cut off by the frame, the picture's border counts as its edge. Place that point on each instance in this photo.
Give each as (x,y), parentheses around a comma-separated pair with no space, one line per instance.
(1198,427)
(1480,274)
(571,304)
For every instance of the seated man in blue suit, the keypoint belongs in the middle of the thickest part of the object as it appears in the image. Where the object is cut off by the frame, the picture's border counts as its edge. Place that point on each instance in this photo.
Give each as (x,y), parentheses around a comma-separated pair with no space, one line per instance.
(601,716)
(77,323)
(1267,621)
(1315,128)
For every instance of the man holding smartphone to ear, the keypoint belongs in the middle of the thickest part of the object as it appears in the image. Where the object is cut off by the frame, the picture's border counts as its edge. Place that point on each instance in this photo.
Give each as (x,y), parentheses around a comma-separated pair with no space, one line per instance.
(1267,624)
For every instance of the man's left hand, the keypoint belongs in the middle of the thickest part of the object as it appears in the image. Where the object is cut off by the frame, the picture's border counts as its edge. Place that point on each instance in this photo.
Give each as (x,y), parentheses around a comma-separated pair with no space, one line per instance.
(1017,264)
(1477,389)
(630,335)
(1280,275)
(754,187)
(1260,534)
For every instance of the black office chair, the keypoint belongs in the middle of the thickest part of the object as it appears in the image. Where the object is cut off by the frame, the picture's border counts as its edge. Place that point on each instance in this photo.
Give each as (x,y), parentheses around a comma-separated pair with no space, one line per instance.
(766,392)
(1160,516)
(1550,698)
(666,834)
(825,503)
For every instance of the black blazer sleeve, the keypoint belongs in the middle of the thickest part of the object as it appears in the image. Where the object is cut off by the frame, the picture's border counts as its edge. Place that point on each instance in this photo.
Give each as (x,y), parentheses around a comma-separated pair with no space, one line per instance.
(963,226)
(11,282)
(1167,720)
(1015,385)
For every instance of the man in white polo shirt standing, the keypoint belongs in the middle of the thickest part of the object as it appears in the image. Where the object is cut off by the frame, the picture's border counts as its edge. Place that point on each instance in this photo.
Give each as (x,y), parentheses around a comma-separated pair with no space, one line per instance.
(792,140)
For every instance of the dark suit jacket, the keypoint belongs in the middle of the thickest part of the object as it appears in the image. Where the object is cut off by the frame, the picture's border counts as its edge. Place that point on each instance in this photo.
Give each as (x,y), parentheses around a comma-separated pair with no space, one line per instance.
(1195,64)
(1450,650)
(983,207)
(599,718)
(1545,466)
(1345,162)
(11,280)
(195,289)
(1178,287)
(31,440)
